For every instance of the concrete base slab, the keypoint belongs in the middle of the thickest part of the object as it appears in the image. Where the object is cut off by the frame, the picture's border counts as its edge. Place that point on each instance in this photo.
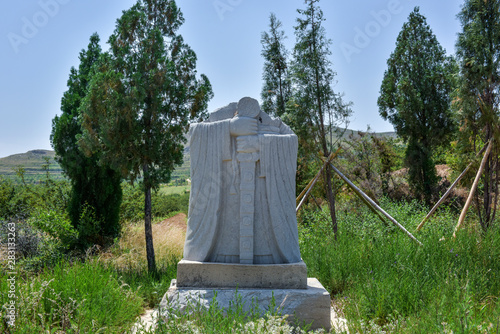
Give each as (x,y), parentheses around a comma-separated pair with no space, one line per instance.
(304,306)
(195,274)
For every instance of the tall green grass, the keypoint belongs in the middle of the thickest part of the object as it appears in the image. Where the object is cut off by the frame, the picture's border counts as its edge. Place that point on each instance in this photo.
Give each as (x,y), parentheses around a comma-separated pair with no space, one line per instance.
(381,278)
(72,298)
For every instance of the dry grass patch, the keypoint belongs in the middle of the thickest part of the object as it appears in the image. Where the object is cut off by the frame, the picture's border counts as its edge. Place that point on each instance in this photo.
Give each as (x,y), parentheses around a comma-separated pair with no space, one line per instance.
(168,241)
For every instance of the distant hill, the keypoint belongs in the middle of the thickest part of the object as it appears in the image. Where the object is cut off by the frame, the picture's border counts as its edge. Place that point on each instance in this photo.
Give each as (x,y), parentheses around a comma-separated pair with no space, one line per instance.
(348,133)
(32,162)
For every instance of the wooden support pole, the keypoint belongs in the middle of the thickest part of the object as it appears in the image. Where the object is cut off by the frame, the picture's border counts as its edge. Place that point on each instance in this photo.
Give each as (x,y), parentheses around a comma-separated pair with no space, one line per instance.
(448,192)
(366,198)
(472,190)
(311,183)
(309,190)
(297,201)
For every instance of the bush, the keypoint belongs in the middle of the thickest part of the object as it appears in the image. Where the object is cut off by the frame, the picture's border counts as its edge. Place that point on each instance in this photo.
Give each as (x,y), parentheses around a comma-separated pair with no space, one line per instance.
(132,208)
(163,205)
(56,225)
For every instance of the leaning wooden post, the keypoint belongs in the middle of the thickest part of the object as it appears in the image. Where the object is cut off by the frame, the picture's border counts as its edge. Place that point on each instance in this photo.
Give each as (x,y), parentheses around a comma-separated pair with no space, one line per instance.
(366,198)
(448,192)
(311,183)
(473,189)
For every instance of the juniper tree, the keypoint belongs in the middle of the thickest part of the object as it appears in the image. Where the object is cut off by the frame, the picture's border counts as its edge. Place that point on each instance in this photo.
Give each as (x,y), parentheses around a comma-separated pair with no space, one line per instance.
(276,90)
(415,98)
(142,98)
(94,186)
(478,51)
(316,108)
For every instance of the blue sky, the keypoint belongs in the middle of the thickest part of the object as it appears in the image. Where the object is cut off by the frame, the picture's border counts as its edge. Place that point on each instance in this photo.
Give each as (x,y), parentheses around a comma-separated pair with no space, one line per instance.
(40,40)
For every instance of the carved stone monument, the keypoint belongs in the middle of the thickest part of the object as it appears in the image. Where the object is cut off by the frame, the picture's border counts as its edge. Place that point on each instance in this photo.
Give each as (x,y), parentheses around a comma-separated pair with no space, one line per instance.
(242,227)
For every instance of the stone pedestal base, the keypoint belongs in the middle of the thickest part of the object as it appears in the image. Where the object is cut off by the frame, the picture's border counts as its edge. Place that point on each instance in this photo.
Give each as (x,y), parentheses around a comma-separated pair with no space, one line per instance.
(305,306)
(195,274)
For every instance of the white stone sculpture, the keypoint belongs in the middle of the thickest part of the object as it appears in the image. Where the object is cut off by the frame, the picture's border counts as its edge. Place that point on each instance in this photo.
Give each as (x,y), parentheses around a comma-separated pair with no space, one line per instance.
(242,204)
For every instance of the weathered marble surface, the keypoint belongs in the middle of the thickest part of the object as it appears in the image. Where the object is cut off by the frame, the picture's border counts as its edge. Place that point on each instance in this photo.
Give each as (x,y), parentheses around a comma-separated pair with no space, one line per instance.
(228,275)
(311,305)
(242,204)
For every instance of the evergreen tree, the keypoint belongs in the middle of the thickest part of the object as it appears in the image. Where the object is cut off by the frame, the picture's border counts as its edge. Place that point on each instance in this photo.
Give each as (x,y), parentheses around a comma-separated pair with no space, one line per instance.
(276,90)
(478,51)
(142,98)
(94,187)
(415,98)
(316,108)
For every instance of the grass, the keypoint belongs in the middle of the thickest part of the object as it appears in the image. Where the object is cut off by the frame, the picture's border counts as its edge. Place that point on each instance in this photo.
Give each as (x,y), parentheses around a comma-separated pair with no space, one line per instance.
(169,190)
(128,257)
(103,293)
(78,297)
(380,279)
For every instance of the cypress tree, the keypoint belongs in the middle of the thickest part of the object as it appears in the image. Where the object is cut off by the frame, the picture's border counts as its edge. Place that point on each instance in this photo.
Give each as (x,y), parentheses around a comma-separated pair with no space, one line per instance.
(415,98)
(315,107)
(478,52)
(96,188)
(142,98)
(276,90)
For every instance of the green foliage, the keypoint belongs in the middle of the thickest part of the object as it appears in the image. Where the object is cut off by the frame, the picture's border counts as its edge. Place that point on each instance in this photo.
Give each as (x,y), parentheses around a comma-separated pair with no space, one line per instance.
(140,103)
(73,298)
(163,204)
(415,98)
(315,109)
(142,97)
(478,51)
(93,184)
(13,201)
(369,161)
(380,277)
(276,90)
(56,225)
(151,286)
(20,199)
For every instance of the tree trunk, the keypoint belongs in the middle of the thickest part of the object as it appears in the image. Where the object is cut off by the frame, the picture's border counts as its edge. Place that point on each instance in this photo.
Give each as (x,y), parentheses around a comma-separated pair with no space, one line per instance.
(148,231)
(331,198)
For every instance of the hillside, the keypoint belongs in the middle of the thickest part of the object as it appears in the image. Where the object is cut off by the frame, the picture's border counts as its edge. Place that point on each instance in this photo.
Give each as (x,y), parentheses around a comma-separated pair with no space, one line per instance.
(32,162)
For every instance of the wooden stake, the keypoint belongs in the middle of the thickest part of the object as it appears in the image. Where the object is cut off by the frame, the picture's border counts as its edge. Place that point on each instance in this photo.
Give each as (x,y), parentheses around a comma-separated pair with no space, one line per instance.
(309,190)
(306,190)
(473,189)
(366,198)
(448,192)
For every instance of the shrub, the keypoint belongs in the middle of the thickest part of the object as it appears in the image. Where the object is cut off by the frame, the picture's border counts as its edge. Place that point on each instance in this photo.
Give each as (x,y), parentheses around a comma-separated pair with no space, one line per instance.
(56,225)
(132,208)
